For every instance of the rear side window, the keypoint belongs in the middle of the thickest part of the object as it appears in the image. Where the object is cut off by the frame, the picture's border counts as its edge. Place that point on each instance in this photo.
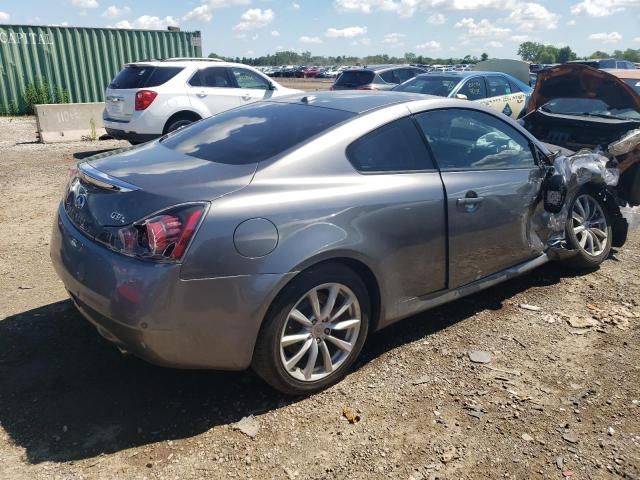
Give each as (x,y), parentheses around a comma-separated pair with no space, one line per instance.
(607,64)
(212,77)
(136,76)
(474,89)
(395,147)
(498,86)
(253,133)
(248,79)
(355,78)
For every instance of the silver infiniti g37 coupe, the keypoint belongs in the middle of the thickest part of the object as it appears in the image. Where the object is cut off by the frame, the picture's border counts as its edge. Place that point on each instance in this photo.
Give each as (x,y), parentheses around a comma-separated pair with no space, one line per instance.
(280,234)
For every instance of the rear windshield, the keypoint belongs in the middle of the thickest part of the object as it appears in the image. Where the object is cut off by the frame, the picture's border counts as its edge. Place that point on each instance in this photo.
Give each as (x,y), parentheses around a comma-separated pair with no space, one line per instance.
(140,76)
(355,78)
(253,133)
(438,85)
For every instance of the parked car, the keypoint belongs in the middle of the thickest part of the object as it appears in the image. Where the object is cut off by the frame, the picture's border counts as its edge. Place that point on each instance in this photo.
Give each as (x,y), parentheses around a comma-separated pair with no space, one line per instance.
(606,63)
(383,77)
(630,77)
(311,72)
(149,99)
(497,90)
(278,235)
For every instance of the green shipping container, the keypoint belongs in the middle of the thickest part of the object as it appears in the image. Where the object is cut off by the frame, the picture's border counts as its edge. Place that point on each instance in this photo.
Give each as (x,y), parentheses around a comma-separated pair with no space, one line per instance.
(80,60)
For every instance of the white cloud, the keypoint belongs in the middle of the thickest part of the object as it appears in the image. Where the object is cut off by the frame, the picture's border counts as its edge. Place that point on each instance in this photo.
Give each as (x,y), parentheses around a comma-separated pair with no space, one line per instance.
(520,38)
(436,19)
(394,39)
(611,37)
(275,33)
(4,17)
(240,36)
(480,31)
(255,18)
(528,17)
(199,14)
(148,22)
(114,12)
(602,8)
(306,39)
(407,8)
(295,6)
(348,32)
(225,3)
(571,23)
(494,44)
(85,3)
(430,45)
(636,40)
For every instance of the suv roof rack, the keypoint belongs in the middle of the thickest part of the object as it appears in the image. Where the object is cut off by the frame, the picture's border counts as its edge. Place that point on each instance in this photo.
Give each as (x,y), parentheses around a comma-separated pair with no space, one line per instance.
(192,59)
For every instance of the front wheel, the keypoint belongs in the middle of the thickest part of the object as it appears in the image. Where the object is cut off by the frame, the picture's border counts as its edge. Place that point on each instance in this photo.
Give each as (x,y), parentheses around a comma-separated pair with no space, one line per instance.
(314,331)
(588,231)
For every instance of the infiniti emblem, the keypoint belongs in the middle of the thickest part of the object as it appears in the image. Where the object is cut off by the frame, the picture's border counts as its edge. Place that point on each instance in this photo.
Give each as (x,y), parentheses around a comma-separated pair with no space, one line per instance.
(79,196)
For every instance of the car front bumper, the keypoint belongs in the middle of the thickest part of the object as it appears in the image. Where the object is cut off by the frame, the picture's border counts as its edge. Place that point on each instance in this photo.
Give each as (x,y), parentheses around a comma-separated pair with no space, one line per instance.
(148,310)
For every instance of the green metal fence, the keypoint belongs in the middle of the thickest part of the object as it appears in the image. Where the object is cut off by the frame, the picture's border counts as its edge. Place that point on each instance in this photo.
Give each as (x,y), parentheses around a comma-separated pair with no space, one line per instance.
(80,60)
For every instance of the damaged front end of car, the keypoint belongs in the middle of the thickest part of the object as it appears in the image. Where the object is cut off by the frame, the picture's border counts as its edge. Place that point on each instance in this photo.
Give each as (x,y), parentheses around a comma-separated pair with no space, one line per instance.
(590,120)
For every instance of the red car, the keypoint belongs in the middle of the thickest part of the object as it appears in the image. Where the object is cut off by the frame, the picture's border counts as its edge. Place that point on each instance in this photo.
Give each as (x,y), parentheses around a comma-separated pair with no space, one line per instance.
(311,72)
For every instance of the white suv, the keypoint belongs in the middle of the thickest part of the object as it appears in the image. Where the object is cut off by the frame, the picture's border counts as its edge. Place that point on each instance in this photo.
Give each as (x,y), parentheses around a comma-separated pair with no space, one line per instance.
(149,99)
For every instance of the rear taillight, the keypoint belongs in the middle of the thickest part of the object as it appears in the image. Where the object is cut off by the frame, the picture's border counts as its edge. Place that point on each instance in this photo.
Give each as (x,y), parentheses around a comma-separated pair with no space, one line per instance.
(163,237)
(144,98)
(366,87)
(72,173)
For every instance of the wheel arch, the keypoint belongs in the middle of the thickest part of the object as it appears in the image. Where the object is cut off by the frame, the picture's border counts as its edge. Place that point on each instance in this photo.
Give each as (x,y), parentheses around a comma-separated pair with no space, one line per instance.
(359,266)
(189,114)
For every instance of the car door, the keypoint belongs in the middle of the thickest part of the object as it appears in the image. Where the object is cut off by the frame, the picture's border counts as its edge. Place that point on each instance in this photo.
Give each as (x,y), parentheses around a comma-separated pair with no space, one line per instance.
(213,89)
(502,97)
(252,87)
(474,89)
(492,182)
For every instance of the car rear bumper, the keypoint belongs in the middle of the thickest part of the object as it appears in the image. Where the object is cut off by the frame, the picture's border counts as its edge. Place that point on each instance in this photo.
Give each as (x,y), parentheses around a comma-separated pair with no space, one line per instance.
(132,137)
(146,309)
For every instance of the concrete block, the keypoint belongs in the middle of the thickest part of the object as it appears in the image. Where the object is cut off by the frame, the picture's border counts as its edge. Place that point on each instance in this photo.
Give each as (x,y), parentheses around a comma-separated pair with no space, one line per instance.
(69,122)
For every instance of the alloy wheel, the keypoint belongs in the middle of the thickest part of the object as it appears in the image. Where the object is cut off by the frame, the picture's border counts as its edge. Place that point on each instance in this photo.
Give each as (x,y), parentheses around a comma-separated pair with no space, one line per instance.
(589,225)
(320,332)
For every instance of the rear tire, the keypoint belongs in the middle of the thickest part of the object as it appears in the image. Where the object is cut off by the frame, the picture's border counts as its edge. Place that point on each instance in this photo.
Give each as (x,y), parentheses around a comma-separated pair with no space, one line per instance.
(588,231)
(297,353)
(177,123)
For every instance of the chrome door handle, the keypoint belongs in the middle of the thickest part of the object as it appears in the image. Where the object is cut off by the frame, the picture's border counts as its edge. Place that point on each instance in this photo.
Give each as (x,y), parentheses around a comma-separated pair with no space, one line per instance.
(201,94)
(469,200)
(246,98)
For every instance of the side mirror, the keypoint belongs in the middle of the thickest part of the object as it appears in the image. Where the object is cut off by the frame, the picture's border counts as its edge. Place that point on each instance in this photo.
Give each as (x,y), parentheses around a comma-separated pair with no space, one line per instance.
(272,86)
(461,96)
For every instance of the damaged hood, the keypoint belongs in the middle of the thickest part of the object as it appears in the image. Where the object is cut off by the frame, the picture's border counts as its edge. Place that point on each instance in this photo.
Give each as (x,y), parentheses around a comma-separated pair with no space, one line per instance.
(581,81)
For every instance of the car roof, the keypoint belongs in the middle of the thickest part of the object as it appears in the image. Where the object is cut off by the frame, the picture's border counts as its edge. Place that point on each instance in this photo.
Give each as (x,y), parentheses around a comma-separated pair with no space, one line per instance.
(352,101)
(187,63)
(379,68)
(624,73)
(462,74)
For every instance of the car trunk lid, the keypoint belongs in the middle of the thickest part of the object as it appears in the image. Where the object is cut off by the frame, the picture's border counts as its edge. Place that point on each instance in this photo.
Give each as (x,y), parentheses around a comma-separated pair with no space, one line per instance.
(121,187)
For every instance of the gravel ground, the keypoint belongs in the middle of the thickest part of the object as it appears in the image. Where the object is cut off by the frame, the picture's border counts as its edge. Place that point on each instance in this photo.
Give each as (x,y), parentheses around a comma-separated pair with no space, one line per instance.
(558,398)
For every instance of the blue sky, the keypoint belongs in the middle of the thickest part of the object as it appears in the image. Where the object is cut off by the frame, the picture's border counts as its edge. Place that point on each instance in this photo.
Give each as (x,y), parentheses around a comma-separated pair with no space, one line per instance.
(358,27)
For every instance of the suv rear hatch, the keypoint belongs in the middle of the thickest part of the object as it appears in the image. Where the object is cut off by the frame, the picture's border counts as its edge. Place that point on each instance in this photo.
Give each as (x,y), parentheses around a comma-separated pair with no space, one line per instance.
(120,99)
(353,79)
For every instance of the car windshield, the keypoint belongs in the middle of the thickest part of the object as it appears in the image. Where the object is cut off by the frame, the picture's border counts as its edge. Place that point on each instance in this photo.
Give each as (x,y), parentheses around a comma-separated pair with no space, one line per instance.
(589,107)
(253,133)
(439,85)
(633,83)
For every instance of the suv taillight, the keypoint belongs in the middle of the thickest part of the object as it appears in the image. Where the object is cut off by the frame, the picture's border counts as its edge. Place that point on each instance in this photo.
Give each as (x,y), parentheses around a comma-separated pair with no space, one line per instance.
(163,237)
(144,98)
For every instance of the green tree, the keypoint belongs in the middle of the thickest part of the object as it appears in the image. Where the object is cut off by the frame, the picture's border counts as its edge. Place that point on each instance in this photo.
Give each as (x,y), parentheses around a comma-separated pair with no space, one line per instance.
(529,51)
(599,54)
(484,56)
(565,54)
(631,55)
(546,56)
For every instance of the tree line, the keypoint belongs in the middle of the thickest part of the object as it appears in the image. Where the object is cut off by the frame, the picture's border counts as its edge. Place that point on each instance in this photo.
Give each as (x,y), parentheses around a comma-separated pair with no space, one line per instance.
(534,52)
(306,58)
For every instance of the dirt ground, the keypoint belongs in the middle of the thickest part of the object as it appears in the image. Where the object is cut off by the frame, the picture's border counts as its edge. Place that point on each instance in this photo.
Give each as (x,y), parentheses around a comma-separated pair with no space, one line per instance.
(554,401)
(306,84)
